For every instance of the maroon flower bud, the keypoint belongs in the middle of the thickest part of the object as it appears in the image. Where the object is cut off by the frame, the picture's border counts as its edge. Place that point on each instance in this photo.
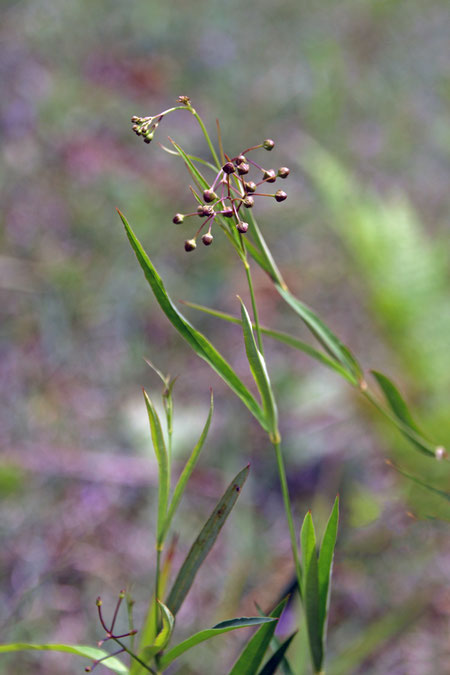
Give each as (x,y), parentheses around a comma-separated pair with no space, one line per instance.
(242,227)
(249,202)
(136,129)
(280,195)
(227,212)
(283,172)
(243,169)
(178,218)
(190,245)
(207,238)
(268,144)
(228,167)
(205,210)
(135,119)
(250,186)
(240,160)
(269,176)
(209,196)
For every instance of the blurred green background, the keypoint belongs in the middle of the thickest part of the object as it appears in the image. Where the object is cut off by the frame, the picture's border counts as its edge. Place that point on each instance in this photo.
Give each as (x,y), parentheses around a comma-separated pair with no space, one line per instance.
(356,95)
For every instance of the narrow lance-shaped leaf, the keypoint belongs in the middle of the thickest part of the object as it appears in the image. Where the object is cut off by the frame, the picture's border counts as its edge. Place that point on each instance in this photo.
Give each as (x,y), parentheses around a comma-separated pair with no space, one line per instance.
(259,371)
(91,653)
(310,590)
(219,629)
(253,653)
(426,486)
(195,339)
(277,658)
(164,634)
(269,264)
(329,341)
(163,465)
(401,411)
(188,469)
(286,338)
(326,567)
(204,542)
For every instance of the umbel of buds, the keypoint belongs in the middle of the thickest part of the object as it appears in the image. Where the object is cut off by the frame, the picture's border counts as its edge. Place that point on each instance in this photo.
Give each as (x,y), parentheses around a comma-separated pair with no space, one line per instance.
(232,188)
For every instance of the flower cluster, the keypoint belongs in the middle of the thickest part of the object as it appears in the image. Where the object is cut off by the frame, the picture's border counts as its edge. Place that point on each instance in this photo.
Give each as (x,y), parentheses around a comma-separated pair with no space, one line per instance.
(231,193)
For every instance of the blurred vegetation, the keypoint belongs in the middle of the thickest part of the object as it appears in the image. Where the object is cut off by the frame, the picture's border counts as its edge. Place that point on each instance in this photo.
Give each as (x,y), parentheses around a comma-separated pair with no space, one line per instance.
(356,96)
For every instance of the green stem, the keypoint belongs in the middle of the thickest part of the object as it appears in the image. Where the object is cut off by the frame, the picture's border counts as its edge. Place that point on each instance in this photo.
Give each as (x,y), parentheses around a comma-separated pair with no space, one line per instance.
(206,135)
(254,308)
(287,507)
(134,656)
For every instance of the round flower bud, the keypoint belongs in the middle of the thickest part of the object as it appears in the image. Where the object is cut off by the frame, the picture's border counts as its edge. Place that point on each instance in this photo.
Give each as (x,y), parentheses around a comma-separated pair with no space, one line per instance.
(135,119)
(178,218)
(268,144)
(227,212)
(243,169)
(249,202)
(269,176)
(136,129)
(283,172)
(205,210)
(250,186)
(209,196)
(207,238)
(240,160)
(190,245)
(228,167)
(242,227)
(280,195)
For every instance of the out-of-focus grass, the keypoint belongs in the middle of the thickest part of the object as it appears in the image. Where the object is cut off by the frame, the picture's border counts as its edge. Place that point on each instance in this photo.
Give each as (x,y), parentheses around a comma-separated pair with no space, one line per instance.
(362,238)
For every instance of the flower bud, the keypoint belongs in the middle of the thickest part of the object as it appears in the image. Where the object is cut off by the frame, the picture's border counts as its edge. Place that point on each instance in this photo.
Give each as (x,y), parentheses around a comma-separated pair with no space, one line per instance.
(205,210)
(243,169)
(250,186)
(178,218)
(228,167)
(242,227)
(190,245)
(227,212)
(268,144)
(209,196)
(207,238)
(249,202)
(149,136)
(136,129)
(280,195)
(283,172)
(240,159)
(135,119)
(269,176)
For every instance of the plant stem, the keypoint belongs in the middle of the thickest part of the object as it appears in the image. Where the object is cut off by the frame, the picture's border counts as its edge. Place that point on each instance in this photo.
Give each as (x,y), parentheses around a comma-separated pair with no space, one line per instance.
(254,307)
(134,656)
(206,135)
(287,506)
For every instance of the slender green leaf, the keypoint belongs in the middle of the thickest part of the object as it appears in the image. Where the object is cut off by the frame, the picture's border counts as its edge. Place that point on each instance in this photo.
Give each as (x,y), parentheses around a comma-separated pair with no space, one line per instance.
(188,469)
(259,371)
(195,339)
(163,464)
(326,567)
(201,182)
(286,338)
(277,658)
(147,635)
(253,653)
(204,542)
(430,488)
(310,590)
(163,637)
(193,158)
(400,409)
(269,264)
(219,629)
(91,653)
(329,341)
(258,256)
